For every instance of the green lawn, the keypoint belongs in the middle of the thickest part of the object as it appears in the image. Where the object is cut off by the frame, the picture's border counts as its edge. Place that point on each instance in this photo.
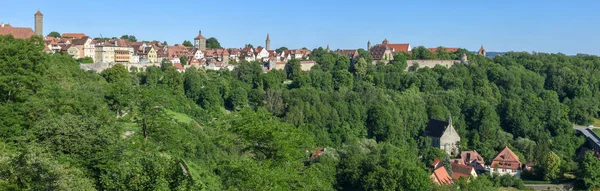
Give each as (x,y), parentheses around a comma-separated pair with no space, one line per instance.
(597,131)
(596,122)
(180,117)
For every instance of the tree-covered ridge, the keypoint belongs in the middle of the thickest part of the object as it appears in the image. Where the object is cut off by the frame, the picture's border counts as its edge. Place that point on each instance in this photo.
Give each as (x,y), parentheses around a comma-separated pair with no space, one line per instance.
(159,129)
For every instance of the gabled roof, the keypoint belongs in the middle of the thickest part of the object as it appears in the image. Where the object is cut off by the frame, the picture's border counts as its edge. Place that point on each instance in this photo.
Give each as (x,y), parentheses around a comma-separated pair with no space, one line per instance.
(460,170)
(378,52)
(17,32)
(351,53)
(396,47)
(436,128)
(73,35)
(80,41)
(471,156)
(441,175)
(507,159)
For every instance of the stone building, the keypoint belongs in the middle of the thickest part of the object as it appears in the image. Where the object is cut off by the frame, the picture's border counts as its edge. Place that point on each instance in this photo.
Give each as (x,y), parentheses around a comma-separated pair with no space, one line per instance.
(39,23)
(443,136)
(200,42)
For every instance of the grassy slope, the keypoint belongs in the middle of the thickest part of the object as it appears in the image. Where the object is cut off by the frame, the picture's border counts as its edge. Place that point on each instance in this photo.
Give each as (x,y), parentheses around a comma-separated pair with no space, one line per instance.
(180,117)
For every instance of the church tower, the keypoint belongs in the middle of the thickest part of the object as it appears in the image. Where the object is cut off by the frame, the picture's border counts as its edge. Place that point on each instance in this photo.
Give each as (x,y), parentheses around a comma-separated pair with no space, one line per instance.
(482,51)
(200,41)
(369,45)
(39,23)
(268,42)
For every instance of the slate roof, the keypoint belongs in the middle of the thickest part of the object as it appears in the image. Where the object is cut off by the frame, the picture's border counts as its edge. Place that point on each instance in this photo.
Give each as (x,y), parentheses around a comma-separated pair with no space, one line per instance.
(80,41)
(436,128)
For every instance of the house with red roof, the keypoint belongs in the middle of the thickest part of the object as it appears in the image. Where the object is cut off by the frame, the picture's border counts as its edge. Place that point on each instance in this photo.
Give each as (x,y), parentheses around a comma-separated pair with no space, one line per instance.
(462,171)
(506,162)
(440,176)
(17,32)
(473,159)
(395,47)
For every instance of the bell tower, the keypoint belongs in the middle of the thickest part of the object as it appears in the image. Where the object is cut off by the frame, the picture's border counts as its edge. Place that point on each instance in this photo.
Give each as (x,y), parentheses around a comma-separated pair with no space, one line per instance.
(268,42)
(39,23)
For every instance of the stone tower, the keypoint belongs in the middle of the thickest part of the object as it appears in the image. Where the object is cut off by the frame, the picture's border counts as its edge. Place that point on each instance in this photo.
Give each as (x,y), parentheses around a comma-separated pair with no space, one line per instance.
(39,23)
(328,49)
(464,59)
(268,42)
(200,41)
(482,51)
(369,45)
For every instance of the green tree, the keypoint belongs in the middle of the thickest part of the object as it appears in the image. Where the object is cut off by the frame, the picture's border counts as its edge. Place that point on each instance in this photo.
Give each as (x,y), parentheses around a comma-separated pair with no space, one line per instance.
(187,43)
(293,69)
(589,174)
(212,43)
(183,60)
(360,68)
(281,49)
(85,60)
(54,34)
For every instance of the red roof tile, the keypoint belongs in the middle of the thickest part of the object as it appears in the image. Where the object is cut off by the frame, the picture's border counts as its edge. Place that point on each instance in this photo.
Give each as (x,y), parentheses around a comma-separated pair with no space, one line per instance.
(17,32)
(73,35)
(441,176)
(459,170)
(506,159)
(397,47)
(178,66)
(38,13)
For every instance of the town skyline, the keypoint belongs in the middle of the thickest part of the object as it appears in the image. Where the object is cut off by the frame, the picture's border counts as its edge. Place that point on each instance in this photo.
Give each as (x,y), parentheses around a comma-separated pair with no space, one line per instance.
(341,28)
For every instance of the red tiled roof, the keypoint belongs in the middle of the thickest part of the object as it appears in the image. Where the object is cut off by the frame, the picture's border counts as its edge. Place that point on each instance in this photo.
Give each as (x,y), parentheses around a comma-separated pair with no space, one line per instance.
(506,159)
(199,37)
(73,35)
(459,170)
(259,49)
(441,176)
(178,66)
(397,47)
(447,49)
(17,32)
(469,157)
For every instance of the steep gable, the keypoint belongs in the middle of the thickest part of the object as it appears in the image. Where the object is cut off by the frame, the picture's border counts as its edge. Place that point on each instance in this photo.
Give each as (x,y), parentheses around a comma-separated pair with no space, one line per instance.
(506,159)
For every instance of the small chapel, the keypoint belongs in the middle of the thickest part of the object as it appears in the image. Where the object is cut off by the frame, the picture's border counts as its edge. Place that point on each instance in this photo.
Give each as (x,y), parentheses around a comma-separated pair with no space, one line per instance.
(443,136)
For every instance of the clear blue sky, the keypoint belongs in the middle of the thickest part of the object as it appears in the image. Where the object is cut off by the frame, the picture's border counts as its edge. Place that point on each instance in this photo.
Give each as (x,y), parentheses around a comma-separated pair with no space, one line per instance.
(520,25)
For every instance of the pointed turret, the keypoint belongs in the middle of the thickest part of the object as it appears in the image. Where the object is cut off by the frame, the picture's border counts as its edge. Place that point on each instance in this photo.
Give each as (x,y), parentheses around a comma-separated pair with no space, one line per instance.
(385,41)
(369,45)
(327,49)
(268,42)
(481,51)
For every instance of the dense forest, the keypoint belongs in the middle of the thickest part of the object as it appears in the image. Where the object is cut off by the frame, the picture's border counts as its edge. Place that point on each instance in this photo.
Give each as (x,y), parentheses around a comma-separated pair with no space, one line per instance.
(65,129)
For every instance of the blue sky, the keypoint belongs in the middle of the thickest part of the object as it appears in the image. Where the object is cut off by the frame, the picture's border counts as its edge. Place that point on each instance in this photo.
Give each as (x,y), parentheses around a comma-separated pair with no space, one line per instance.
(552,26)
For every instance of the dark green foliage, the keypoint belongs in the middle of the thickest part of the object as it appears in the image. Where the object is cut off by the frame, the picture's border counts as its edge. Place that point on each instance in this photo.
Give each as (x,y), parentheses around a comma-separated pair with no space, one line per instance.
(65,129)
(212,43)
(187,43)
(54,34)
